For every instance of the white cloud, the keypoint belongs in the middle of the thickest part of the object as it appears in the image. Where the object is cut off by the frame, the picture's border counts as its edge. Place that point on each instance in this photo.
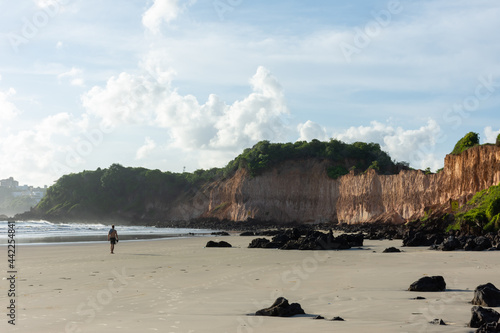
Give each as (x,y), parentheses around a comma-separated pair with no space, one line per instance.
(490,135)
(146,149)
(311,130)
(161,11)
(47,3)
(143,100)
(414,146)
(74,76)
(46,151)
(8,110)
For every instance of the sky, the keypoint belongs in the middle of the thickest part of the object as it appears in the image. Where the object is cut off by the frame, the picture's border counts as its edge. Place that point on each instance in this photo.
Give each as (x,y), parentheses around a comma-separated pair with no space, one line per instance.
(181,85)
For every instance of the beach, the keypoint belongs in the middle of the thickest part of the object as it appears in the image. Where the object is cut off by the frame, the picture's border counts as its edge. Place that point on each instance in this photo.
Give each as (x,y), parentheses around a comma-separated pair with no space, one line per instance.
(178,285)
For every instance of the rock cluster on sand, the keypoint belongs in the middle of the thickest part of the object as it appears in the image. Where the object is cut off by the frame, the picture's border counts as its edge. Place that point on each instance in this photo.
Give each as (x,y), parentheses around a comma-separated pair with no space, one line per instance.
(218,244)
(439,241)
(294,239)
(429,283)
(281,308)
(486,320)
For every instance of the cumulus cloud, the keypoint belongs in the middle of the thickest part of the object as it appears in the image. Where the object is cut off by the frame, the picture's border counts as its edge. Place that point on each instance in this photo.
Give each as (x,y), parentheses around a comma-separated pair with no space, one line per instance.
(144,100)
(8,110)
(490,135)
(416,146)
(311,130)
(47,150)
(146,149)
(160,11)
(74,75)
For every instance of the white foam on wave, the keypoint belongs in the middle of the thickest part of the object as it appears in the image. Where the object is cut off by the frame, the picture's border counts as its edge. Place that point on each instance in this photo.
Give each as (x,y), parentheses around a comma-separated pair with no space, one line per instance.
(25,230)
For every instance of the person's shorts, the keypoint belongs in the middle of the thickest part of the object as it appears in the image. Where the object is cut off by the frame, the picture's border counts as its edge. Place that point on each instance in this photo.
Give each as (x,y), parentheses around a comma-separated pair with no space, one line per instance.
(112,240)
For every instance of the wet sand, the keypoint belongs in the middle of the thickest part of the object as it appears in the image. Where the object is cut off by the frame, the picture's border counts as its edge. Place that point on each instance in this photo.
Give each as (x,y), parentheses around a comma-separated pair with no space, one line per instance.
(178,285)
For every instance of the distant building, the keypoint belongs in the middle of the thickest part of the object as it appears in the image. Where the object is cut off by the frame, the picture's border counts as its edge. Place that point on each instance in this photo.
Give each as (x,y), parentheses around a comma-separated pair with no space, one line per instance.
(9,183)
(17,191)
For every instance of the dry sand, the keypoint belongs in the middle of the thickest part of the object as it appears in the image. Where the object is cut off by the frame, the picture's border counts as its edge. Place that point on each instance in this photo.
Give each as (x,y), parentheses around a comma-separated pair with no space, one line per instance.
(178,285)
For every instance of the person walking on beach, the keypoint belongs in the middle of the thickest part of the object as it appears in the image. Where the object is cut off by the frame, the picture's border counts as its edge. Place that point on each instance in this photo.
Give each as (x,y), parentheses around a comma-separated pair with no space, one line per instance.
(112,238)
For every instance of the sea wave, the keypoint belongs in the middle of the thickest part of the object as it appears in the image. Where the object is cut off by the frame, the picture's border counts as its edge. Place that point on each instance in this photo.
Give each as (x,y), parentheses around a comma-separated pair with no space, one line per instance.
(47,232)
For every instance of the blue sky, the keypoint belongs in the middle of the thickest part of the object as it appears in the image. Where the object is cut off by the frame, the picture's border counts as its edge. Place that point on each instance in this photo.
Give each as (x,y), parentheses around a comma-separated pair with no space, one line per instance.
(174,84)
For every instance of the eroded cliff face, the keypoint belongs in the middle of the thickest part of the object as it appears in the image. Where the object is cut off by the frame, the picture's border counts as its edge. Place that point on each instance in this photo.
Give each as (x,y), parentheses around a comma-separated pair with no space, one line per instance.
(301,191)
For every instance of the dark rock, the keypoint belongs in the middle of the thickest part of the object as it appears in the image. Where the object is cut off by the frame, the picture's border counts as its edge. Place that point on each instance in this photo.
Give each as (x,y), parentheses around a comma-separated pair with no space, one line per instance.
(481,316)
(268,233)
(489,328)
(437,322)
(291,245)
(413,238)
(428,283)
(281,308)
(450,244)
(470,245)
(337,319)
(280,240)
(272,245)
(319,317)
(307,239)
(259,243)
(220,233)
(391,250)
(482,243)
(247,233)
(486,295)
(218,244)
(419,298)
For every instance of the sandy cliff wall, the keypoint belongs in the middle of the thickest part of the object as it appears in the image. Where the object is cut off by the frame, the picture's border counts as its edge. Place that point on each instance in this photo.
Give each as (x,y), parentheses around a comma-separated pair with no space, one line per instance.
(301,191)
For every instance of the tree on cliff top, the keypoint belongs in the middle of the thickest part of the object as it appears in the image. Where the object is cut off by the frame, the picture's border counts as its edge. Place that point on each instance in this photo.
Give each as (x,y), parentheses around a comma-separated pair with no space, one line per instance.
(498,140)
(471,139)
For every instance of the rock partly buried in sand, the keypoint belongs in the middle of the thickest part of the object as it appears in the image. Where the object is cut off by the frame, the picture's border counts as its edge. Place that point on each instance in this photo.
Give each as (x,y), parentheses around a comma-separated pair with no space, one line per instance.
(391,250)
(481,316)
(489,328)
(218,244)
(281,308)
(428,283)
(258,243)
(486,295)
(438,322)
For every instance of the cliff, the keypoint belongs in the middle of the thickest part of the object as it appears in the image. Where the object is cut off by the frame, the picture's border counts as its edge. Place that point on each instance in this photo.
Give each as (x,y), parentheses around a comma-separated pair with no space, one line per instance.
(301,191)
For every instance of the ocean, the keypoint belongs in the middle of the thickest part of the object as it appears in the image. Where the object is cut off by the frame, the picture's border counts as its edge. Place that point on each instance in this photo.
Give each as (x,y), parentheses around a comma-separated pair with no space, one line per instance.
(44,232)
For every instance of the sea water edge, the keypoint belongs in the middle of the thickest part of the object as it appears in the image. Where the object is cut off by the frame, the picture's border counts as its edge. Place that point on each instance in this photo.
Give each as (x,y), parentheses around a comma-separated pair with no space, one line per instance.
(48,233)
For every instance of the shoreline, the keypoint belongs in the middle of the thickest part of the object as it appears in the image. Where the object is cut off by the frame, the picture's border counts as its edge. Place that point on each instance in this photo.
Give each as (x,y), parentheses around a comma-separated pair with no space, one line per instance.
(179,285)
(82,239)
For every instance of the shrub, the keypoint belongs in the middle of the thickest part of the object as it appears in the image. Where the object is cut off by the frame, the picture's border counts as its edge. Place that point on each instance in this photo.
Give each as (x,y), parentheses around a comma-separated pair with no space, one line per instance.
(493,225)
(336,171)
(498,140)
(493,209)
(471,139)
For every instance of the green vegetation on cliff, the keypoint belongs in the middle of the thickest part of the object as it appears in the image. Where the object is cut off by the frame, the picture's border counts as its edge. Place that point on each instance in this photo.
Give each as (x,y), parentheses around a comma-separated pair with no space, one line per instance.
(471,139)
(482,212)
(498,140)
(134,192)
(360,155)
(117,189)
